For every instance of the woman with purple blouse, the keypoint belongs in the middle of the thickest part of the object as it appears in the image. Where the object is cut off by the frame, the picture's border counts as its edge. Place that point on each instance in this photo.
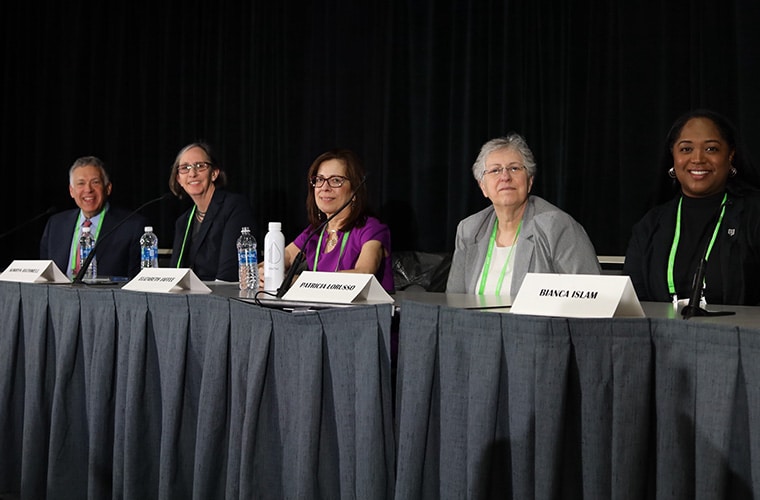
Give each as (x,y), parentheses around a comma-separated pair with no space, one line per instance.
(353,241)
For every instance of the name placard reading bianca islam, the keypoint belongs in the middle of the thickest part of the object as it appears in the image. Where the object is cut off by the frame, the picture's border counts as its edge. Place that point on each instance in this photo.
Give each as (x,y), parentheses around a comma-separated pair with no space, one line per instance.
(577,296)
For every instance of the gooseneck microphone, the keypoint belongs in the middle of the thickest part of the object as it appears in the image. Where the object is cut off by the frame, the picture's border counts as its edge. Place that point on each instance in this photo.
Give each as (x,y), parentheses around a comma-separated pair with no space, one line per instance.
(301,256)
(79,278)
(693,308)
(49,211)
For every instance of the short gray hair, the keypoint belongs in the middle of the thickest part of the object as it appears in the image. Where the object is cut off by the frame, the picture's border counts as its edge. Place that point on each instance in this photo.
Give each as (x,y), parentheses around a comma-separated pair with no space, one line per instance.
(510,141)
(89,161)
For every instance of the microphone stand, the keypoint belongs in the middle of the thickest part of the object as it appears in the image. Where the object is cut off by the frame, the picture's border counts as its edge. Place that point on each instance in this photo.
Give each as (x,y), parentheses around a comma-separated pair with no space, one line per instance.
(301,256)
(49,211)
(692,308)
(79,278)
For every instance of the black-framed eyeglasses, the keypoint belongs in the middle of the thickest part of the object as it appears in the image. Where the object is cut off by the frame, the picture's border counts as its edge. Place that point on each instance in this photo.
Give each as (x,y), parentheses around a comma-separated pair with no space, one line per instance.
(497,171)
(334,181)
(199,167)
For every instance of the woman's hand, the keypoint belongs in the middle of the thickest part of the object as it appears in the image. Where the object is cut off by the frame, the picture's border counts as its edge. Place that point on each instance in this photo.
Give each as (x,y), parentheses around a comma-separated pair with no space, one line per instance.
(261,275)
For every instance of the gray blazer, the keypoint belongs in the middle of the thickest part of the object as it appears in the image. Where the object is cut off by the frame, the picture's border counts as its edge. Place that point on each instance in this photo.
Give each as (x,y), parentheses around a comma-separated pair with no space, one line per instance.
(550,241)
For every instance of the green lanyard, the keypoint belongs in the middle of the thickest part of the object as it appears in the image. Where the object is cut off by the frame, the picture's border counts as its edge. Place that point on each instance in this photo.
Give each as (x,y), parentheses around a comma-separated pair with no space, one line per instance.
(342,247)
(677,237)
(489,253)
(184,240)
(78,231)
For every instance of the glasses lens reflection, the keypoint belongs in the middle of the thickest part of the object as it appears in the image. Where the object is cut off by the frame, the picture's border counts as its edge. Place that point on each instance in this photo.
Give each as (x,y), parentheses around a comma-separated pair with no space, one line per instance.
(200,166)
(334,181)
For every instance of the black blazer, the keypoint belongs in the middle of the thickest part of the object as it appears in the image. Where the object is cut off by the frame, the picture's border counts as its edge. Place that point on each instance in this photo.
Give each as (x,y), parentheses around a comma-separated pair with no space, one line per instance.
(212,254)
(738,268)
(118,253)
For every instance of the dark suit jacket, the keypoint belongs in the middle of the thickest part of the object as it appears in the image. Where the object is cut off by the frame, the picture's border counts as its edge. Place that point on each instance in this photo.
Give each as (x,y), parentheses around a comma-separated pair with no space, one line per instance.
(212,254)
(117,253)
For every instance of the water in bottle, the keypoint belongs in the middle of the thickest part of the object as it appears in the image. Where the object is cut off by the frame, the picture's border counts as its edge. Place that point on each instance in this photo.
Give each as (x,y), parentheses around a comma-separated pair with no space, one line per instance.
(86,244)
(148,249)
(274,253)
(248,270)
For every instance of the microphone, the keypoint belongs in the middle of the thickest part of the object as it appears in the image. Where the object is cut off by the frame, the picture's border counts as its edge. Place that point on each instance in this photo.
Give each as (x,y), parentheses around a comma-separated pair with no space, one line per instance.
(49,211)
(86,263)
(693,308)
(301,256)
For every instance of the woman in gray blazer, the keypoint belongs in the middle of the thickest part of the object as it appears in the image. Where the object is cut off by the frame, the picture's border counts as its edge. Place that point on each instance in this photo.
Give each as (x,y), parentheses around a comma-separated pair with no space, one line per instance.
(518,233)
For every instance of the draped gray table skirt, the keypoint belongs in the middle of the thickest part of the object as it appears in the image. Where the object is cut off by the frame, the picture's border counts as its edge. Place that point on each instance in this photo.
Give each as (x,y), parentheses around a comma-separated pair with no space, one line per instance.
(116,394)
(502,406)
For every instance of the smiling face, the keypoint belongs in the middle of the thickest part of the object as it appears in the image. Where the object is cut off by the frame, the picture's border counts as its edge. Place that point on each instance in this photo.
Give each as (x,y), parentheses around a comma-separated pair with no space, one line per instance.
(701,159)
(330,199)
(506,189)
(196,184)
(88,189)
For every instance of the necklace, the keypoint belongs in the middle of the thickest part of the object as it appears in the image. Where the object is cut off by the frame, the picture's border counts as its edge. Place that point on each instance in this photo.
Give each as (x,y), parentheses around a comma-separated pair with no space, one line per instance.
(342,248)
(332,239)
(199,215)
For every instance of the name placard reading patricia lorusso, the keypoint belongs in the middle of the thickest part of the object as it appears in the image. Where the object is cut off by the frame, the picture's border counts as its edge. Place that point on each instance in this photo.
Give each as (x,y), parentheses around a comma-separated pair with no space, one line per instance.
(338,288)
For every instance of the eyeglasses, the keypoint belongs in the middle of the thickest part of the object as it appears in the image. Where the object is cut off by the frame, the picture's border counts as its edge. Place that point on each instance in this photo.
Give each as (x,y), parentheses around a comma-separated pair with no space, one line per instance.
(497,171)
(199,167)
(334,181)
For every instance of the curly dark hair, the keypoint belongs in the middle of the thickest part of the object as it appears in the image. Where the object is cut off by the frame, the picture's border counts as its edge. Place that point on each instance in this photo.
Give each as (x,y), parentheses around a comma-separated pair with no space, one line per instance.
(746,178)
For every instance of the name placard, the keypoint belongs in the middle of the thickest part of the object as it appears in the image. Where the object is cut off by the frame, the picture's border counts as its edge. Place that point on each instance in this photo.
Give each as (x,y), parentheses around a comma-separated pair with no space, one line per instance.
(34,271)
(338,288)
(577,296)
(167,280)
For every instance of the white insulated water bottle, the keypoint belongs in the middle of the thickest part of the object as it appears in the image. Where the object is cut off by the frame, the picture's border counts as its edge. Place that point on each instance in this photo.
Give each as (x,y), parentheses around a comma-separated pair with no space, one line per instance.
(274,257)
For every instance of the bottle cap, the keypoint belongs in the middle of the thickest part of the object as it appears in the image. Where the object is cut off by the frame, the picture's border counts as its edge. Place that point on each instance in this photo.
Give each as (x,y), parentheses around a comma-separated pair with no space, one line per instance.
(148,229)
(275,226)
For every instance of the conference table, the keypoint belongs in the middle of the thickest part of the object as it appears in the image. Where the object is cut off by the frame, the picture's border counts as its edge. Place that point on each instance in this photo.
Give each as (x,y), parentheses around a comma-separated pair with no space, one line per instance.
(108,393)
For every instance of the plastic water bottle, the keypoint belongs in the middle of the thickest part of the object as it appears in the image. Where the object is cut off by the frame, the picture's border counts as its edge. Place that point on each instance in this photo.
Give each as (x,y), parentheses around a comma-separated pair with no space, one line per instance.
(274,253)
(86,244)
(148,249)
(248,270)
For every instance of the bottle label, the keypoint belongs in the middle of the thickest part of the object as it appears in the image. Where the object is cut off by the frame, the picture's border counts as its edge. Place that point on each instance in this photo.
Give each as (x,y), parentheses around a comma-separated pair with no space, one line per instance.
(247,257)
(149,253)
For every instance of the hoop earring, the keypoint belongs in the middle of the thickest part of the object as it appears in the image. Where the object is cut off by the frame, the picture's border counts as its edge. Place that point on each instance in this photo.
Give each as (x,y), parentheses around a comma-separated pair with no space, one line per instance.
(732,172)
(672,173)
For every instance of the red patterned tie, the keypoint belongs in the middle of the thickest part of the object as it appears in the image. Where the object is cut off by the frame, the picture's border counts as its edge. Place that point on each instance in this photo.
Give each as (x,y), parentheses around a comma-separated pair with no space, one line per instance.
(86,223)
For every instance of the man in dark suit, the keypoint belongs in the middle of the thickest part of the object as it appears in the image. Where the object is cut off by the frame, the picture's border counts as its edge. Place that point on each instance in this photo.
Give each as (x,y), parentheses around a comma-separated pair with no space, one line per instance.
(119,253)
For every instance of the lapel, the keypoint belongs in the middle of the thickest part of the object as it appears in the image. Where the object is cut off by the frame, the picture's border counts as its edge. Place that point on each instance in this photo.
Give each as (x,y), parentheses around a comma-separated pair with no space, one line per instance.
(213,209)
(526,247)
(729,232)
(481,238)
(66,234)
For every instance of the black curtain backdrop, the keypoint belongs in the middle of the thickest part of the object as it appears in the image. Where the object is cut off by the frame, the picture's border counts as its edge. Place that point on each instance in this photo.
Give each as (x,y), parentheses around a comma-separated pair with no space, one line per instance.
(414,87)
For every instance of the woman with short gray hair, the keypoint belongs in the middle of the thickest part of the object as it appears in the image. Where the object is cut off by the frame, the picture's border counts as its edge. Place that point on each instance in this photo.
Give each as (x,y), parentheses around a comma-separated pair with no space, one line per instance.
(519,232)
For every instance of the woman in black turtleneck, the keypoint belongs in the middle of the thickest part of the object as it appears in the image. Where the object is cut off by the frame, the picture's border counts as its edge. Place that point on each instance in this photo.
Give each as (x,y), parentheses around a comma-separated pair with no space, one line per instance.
(715,212)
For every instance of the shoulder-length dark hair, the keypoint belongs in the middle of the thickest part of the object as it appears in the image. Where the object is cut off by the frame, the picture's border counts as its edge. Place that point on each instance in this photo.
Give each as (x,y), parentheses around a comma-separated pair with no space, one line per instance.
(746,178)
(221,177)
(355,173)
